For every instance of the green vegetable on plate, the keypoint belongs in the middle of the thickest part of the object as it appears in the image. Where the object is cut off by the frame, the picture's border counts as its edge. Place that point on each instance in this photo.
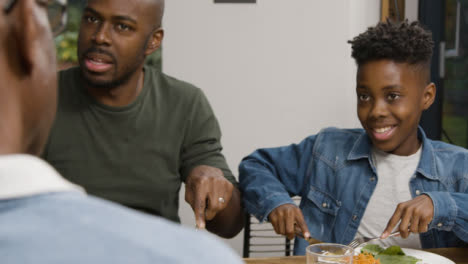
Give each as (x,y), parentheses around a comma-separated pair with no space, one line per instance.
(390,255)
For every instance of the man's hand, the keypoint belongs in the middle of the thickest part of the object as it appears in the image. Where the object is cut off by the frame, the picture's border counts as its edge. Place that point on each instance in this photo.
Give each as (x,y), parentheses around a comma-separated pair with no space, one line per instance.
(285,218)
(208,192)
(414,216)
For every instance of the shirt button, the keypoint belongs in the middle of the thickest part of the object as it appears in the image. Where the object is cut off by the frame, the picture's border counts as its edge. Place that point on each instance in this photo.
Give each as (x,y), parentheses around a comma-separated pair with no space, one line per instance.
(418,192)
(354,217)
(439,225)
(324,205)
(372,179)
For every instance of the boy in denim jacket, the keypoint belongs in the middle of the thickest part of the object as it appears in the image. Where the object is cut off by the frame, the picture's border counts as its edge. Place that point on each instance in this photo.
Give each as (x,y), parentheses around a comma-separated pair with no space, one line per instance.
(369,182)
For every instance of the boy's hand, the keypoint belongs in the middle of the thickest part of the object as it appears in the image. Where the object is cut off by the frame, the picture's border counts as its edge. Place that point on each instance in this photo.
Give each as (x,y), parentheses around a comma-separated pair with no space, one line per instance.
(415,216)
(285,217)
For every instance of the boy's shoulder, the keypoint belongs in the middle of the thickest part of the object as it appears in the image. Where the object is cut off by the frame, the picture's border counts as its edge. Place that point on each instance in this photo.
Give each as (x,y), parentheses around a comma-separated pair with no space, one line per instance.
(440,146)
(342,131)
(336,143)
(447,162)
(448,152)
(340,134)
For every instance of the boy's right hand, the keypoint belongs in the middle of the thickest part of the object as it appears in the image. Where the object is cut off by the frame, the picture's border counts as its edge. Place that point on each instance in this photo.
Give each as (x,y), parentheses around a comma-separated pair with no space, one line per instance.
(285,217)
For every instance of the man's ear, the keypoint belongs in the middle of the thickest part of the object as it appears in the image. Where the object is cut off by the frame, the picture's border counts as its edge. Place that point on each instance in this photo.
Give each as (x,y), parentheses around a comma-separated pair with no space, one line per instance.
(429,94)
(155,41)
(24,32)
(30,27)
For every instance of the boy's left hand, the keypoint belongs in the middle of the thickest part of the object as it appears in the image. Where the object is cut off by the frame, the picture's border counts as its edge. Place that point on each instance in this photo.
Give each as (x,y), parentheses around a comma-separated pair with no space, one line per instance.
(415,216)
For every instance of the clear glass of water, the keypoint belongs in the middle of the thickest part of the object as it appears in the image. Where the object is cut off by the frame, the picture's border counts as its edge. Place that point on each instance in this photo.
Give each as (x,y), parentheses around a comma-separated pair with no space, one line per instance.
(329,253)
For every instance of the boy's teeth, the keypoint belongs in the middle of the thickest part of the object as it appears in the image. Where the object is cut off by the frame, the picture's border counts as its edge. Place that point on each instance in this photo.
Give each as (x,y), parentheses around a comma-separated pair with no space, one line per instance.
(382,129)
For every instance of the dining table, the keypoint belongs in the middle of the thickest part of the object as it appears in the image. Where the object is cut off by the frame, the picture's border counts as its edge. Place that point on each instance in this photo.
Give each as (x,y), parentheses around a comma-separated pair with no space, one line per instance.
(457,255)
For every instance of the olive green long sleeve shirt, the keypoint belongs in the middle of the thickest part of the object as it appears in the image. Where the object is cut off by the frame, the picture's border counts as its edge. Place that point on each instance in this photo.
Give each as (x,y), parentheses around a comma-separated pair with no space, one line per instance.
(137,155)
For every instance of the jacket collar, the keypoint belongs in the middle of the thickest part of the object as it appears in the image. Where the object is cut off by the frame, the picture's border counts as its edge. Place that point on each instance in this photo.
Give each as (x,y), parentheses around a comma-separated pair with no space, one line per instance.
(427,165)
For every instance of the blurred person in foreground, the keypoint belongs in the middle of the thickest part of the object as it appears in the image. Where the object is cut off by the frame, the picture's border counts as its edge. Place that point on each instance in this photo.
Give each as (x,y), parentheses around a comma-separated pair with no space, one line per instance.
(128,133)
(368,182)
(43,217)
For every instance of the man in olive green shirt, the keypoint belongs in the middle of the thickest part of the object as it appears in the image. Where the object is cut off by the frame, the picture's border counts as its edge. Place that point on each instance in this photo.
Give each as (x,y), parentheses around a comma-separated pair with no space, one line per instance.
(131,134)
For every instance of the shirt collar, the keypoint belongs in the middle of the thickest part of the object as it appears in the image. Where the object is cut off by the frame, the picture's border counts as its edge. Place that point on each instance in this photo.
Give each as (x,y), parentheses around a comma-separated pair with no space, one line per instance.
(363,146)
(25,175)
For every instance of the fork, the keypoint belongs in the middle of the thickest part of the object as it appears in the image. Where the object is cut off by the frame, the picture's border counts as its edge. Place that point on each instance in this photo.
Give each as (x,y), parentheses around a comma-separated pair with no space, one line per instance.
(364,240)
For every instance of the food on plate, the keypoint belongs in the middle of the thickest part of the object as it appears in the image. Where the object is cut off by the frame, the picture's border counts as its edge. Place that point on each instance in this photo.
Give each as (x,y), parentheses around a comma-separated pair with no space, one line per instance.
(365,258)
(390,255)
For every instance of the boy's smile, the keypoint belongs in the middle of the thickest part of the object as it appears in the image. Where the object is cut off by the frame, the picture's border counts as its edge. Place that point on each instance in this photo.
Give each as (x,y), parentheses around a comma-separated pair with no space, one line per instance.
(383,133)
(391,98)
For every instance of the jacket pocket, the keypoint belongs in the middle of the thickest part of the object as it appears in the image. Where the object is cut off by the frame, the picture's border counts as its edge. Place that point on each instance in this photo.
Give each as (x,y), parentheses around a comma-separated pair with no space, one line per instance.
(320,210)
(324,201)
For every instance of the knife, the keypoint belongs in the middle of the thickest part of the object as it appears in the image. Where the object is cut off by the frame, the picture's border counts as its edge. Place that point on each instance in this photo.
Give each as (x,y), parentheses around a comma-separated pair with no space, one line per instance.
(311,240)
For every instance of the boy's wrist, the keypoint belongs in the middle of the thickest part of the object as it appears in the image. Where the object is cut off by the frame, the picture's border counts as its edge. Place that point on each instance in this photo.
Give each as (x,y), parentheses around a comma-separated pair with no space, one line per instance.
(445,210)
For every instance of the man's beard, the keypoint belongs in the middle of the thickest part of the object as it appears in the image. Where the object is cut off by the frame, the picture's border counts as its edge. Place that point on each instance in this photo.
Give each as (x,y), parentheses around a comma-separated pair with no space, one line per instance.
(114,82)
(107,85)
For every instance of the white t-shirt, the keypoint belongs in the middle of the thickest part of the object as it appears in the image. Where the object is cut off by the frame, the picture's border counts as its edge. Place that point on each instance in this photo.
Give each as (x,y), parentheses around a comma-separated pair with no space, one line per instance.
(394,173)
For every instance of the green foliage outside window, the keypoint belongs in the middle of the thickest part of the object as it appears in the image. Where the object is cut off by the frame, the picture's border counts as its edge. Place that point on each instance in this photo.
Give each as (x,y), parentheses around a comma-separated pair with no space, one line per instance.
(66,47)
(66,43)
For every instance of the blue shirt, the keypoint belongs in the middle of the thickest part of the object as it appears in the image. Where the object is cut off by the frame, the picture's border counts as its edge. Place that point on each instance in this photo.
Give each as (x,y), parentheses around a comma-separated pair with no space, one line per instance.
(43,220)
(334,175)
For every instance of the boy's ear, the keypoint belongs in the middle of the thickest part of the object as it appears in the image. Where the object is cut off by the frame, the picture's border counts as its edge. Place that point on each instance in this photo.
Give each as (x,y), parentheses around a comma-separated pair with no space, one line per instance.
(429,94)
(155,41)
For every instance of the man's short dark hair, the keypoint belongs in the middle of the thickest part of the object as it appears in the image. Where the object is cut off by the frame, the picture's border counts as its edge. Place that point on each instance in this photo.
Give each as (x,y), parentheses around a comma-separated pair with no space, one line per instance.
(401,42)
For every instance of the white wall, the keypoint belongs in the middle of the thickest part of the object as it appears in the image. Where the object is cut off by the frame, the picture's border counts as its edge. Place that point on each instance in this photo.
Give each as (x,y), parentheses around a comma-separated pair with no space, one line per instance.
(274,72)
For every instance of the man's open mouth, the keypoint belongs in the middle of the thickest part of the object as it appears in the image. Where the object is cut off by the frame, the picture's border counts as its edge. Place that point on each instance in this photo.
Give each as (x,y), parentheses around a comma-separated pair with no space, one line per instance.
(98,62)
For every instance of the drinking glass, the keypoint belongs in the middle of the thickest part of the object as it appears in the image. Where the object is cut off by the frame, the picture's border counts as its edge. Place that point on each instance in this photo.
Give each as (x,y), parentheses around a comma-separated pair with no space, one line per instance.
(329,253)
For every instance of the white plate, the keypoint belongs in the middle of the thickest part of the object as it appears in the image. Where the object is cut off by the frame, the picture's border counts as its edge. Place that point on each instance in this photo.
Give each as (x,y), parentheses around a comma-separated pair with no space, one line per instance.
(425,257)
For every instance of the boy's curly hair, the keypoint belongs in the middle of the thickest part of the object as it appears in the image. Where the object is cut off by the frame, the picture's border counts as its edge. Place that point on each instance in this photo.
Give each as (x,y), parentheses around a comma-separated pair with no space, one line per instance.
(402,42)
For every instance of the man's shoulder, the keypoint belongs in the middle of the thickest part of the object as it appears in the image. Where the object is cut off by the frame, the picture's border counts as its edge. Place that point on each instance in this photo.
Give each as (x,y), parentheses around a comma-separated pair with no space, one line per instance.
(69,81)
(69,75)
(172,85)
(96,222)
(137,230)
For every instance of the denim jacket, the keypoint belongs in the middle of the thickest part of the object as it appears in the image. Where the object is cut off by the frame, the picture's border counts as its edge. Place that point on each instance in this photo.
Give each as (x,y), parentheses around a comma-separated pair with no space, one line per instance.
(334,175)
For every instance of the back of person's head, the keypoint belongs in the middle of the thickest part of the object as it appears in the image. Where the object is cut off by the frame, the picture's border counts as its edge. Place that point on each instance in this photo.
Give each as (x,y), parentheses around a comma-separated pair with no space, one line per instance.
(28,74)
(401,42)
